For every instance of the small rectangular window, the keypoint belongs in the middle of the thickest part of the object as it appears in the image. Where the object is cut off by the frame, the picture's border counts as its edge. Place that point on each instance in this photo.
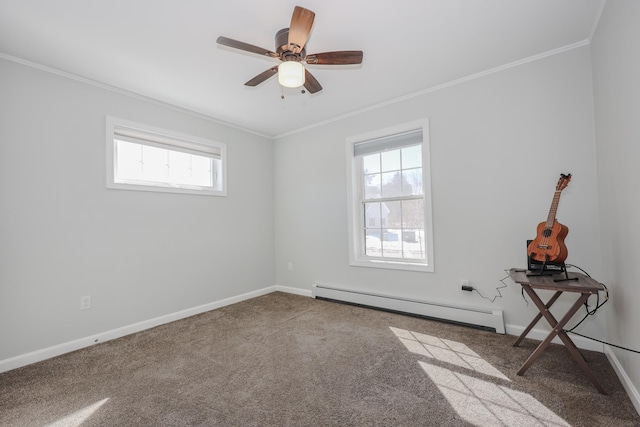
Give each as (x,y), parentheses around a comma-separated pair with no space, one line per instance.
(390,201)
(142,158)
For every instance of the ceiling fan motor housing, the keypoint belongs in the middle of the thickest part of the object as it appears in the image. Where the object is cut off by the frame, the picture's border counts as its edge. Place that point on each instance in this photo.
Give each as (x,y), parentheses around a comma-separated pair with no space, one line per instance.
(283,48)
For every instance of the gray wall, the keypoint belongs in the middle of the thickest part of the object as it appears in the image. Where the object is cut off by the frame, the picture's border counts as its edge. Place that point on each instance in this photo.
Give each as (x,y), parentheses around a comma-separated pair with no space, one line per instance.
(616,67)
(140,255)
(498,146)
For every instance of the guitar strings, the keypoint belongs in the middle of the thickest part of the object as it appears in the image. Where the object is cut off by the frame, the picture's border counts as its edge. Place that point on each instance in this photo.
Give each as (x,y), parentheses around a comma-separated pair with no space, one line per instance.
(550,220)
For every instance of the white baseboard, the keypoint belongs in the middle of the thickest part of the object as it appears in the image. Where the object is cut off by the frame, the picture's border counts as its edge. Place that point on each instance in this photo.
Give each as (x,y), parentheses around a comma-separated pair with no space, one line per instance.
(541,334)
(57,350)
(628,385)
(296,291)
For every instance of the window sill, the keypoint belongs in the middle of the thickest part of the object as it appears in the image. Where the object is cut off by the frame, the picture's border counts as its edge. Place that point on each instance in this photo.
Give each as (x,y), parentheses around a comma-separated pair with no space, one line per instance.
(392,265)
(167,189)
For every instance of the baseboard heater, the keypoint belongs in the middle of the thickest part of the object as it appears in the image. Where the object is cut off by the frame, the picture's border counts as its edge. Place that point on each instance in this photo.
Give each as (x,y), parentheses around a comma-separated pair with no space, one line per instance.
(477,317)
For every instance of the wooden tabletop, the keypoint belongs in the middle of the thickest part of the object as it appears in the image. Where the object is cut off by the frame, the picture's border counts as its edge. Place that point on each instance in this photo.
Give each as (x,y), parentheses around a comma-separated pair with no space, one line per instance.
(584,284)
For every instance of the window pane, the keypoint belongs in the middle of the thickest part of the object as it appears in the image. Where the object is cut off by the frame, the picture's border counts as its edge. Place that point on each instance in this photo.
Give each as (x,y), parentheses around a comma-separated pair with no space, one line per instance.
(201,171)
(413,244)
(372,215)
(391,244)
(157,161)
(412,182)
(155,164)
(391,160)
(391,184)
(189,169)
(413,213)
(371,163)
(129,160)
(412,157)
(373,244)
(216,175)
(392,211)
(372,184)
(179,167)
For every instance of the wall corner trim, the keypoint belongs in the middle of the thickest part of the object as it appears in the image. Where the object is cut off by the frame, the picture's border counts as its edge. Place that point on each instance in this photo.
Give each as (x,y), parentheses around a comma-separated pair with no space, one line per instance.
(628,385)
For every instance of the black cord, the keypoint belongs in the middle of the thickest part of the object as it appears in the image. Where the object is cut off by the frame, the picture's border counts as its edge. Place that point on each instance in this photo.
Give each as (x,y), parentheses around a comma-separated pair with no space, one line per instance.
(586,303)
(593,312)
(575,266)
(504,285)
(603,342)
(523,297)
(589,312)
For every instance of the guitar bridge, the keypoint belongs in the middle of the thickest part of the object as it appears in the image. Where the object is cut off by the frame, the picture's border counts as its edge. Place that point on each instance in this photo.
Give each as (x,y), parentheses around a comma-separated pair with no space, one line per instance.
(544,246)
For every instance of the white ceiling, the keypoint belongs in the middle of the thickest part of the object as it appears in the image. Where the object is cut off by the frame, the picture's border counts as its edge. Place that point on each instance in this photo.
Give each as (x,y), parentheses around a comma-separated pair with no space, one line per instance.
(166,49)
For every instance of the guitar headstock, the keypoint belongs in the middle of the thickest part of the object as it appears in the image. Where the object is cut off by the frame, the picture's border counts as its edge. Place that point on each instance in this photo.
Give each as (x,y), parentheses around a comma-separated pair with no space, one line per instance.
(563,181)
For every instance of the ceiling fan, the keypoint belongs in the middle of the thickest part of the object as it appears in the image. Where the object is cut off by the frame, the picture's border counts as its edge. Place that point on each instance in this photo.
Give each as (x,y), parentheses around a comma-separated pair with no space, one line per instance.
(290,49)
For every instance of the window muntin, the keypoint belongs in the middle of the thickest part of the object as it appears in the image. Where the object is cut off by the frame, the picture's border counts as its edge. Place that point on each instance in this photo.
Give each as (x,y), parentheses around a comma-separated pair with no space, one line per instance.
(141,158)
(390,201)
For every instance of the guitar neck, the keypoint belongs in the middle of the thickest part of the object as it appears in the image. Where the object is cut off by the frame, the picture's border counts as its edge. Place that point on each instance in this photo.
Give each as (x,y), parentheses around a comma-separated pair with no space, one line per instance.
(554,208)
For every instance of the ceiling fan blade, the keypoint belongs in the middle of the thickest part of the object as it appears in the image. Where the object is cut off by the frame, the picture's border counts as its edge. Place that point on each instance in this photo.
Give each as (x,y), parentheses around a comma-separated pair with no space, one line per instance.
(343,57)
(263,76)
(310,82)
(225,41)
(300,27)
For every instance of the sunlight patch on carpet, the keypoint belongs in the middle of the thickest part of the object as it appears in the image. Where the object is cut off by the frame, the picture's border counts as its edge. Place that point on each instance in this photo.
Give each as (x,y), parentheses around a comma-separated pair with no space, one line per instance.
(486,404)
(77,418)
(480,402)
(447,351)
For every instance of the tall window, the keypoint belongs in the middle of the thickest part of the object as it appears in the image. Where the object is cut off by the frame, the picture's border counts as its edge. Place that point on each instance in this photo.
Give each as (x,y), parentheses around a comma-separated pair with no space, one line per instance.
(141,158)
(390,200)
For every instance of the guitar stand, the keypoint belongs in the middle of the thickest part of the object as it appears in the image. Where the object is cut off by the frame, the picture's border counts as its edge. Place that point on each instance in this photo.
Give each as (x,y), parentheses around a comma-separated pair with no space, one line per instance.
(566,274)
(544,271)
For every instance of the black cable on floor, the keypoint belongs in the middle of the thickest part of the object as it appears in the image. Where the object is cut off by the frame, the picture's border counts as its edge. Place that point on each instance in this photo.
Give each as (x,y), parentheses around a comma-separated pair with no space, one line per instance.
(593,312)
(603,342)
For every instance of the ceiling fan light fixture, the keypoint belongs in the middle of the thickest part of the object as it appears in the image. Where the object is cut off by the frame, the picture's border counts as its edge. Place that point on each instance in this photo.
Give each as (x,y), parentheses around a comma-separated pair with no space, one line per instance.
(291,74)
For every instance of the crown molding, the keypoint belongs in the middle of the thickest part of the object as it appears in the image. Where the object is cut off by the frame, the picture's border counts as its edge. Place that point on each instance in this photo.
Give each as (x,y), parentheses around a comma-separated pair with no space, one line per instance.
(130,94)
(475,76)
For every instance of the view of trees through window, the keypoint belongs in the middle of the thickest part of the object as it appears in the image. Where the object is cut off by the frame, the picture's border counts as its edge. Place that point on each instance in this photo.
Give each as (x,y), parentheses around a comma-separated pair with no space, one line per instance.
(393,204)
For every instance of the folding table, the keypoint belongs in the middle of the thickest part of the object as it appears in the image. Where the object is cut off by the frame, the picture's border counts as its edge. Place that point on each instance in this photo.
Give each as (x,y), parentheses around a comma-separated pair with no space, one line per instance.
(578,283)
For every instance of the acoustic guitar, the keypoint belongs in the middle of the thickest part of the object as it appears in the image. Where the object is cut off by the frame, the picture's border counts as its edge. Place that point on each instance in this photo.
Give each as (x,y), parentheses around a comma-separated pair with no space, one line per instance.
(548,246)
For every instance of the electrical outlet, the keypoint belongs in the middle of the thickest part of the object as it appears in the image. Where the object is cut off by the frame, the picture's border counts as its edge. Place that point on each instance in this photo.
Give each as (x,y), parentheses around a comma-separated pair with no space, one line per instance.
(85,302)
(290,266)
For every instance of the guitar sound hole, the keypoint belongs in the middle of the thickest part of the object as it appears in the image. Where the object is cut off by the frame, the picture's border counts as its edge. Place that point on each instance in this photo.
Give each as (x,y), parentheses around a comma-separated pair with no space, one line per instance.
(546,232)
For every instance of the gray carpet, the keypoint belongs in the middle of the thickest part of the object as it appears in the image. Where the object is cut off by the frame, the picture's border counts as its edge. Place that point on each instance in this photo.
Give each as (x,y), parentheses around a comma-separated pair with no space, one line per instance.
(286,360)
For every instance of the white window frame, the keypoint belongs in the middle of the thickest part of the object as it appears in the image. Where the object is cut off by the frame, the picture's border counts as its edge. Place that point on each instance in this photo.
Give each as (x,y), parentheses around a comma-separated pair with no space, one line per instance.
(174,141)
(355,195)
